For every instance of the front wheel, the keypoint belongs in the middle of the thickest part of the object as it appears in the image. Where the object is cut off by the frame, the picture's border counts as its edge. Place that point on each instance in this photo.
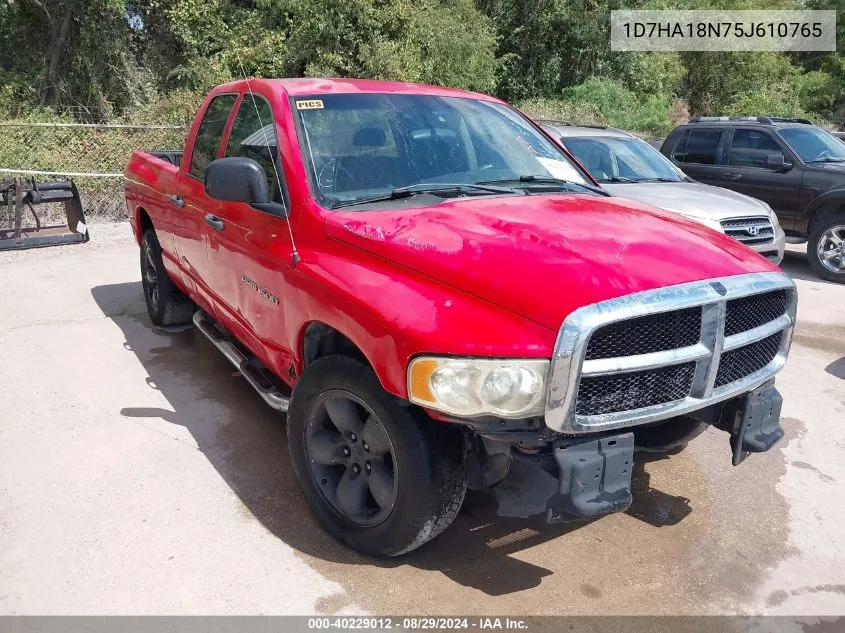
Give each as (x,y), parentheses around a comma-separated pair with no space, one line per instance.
(826,248)
(377,474)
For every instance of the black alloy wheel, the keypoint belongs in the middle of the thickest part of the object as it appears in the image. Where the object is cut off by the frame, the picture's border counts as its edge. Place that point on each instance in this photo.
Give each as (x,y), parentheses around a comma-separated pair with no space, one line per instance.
(351,458)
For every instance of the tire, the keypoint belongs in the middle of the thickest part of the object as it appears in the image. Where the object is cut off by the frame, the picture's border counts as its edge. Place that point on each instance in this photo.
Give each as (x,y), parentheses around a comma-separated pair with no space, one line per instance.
(427,459)
(833,227)
(166,304)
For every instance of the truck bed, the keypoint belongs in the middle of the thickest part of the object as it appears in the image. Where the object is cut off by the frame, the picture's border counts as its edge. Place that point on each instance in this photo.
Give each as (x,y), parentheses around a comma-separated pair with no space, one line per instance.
(174,157)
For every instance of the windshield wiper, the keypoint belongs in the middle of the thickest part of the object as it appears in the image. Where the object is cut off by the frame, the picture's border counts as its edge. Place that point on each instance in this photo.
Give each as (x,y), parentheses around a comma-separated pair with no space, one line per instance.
(661,179)
(618,179)
(545,180)
(428,187)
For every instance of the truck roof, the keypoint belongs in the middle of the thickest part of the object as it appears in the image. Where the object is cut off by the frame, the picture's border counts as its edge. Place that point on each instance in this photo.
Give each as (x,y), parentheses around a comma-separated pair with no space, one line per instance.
(301,87)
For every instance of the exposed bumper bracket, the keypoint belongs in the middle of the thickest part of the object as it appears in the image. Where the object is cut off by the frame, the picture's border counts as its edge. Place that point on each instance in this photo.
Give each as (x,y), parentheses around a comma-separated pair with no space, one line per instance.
(595,477)
(754,423)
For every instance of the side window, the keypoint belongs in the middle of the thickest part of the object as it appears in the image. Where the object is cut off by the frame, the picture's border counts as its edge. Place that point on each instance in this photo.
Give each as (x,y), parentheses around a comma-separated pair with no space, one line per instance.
(699,146)
(254,136)
(209,134)
(749,148)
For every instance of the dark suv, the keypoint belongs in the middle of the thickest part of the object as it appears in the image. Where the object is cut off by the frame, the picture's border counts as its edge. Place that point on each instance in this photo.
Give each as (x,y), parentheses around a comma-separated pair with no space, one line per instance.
(797,168)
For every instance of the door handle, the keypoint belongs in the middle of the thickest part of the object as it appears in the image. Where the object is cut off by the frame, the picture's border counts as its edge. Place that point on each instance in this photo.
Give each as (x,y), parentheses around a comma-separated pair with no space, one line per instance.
(177,200)
(732,176)
(214,222)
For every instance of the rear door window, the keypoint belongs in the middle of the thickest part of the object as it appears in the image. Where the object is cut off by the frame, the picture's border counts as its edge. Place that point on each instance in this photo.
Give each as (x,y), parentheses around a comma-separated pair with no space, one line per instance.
(749,148)
(700,146)
(210,133)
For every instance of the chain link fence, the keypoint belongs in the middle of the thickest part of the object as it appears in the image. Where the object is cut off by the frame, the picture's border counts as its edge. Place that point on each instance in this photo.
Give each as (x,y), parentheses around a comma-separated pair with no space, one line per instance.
(91,155)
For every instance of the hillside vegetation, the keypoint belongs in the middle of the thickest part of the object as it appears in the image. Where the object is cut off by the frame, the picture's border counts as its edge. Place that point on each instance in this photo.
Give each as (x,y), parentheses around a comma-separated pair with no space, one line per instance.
(152,61)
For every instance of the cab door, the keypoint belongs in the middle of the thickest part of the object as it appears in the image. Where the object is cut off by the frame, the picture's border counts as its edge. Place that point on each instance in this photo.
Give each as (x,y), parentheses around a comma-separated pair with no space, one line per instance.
(748,173)
(189,203)
(250,250)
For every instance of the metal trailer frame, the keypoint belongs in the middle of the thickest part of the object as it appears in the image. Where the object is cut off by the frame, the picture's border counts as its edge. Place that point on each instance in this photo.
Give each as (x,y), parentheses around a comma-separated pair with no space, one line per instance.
(21,193)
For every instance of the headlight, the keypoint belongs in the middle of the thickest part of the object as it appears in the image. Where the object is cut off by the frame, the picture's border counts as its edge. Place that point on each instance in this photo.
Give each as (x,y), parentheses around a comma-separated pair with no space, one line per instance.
(474,386)
(708,222)
(773,217)
(713,224)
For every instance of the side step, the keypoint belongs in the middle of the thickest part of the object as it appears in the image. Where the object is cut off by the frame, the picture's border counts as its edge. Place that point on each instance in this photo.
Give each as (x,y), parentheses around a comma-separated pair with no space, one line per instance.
(262,380)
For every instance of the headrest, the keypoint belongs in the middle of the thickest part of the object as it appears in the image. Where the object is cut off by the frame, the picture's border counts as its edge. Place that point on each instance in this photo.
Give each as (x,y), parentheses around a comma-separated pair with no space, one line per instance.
(369,137)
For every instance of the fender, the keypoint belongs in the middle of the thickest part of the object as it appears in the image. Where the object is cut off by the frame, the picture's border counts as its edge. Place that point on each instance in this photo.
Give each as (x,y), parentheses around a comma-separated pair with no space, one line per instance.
(824,203)
(357,294)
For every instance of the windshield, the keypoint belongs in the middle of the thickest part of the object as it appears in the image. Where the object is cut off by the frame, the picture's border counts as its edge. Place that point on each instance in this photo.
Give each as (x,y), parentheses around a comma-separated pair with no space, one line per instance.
(360,146)
(621,159)
(814,144)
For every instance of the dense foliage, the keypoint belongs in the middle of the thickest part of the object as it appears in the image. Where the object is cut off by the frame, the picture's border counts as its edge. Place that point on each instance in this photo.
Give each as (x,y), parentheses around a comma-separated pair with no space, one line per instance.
(152,60)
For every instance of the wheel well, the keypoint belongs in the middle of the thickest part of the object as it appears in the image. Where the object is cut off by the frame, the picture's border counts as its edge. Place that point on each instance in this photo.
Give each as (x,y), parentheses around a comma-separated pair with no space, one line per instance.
(821,215)
(323,340)
(144,221)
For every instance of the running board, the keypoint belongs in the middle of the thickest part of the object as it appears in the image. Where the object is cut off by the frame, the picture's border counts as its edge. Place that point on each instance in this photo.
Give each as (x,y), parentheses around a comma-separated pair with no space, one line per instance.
(250,368)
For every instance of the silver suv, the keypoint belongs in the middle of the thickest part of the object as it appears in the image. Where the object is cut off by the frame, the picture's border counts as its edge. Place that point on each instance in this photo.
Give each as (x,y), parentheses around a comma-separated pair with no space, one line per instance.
(629,167)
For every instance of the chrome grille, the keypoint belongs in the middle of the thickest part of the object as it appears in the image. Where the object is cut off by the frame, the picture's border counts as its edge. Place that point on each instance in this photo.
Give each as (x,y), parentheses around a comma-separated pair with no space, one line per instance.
(621,362)
(651,333)
(750,312)
(739,363)
(753,231)
(633,390)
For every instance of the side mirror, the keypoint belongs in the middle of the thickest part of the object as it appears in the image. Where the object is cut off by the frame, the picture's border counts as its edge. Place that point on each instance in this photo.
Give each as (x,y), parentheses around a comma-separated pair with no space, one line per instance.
(777,162)
(238,179)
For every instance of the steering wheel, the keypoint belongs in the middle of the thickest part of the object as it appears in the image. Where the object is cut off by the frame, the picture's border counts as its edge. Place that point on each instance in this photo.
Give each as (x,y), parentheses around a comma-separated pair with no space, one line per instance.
(824,154)
(323,182)
(339,169)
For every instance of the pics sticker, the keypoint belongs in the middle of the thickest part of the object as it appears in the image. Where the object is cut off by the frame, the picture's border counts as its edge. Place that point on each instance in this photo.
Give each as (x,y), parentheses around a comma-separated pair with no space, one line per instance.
(313,104)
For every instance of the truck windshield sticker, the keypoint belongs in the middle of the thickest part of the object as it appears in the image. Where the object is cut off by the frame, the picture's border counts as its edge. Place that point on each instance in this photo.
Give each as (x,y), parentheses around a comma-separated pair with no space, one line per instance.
(311,104)
(560,169)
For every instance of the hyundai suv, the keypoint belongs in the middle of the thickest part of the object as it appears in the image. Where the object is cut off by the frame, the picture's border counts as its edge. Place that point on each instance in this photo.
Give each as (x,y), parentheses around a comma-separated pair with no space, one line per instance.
(794,166)
(631,168)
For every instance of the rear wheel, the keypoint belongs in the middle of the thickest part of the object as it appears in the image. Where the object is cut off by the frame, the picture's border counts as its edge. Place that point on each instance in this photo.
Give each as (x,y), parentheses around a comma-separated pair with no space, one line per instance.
(166,304)
(826,248)
(378,475)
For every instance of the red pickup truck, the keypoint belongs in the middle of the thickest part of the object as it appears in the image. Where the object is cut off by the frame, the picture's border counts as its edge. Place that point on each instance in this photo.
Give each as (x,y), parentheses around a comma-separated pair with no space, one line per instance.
(431,288)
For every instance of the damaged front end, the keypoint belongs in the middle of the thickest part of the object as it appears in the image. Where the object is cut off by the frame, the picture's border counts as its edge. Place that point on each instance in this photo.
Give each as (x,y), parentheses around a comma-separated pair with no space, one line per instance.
(648,372)
(653,368)
(594,473)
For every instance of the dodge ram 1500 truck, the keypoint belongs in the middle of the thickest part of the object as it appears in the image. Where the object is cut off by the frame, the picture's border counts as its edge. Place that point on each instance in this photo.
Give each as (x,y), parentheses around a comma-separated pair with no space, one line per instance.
(430,288)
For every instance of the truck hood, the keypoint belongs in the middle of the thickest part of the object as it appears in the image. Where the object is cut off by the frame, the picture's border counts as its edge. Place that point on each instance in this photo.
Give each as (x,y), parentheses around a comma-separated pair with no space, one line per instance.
(692,199)
(543,256)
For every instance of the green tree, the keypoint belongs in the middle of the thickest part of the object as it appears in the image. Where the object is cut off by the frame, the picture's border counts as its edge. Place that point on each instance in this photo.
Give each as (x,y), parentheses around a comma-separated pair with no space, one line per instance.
(85,58)
(442,42)
(547,45)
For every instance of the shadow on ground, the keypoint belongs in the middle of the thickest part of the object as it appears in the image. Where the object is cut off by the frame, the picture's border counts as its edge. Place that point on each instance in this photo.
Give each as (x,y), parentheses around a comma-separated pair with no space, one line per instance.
(245,442)
(837,368)
(798,267)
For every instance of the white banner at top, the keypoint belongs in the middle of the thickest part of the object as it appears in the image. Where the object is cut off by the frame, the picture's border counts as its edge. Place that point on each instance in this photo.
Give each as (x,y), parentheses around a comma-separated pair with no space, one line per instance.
(723,30)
